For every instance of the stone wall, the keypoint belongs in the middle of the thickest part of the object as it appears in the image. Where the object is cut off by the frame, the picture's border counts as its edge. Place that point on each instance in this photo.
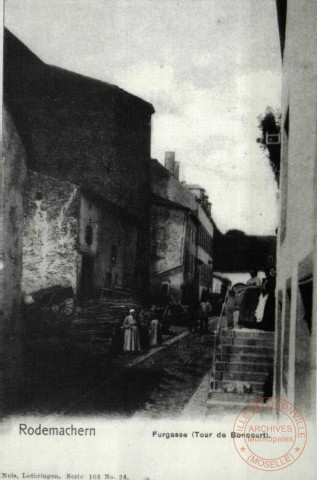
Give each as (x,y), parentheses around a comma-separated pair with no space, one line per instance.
(295,374)
(50,236)
(168,230)
(173,279)
(113,244)
(170,240)
(14,174)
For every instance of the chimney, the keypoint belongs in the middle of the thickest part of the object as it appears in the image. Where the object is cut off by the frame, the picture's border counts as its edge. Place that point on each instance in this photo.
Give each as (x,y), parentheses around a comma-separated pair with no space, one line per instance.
(170,161)
(176,170)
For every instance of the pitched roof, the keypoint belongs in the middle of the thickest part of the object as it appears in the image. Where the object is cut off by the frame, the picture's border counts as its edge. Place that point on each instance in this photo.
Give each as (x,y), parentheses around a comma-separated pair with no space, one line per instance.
(22,65)
(165,202)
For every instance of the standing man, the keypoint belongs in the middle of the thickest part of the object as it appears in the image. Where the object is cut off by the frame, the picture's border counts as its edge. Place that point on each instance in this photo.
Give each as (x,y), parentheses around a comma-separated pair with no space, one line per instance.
(204,313)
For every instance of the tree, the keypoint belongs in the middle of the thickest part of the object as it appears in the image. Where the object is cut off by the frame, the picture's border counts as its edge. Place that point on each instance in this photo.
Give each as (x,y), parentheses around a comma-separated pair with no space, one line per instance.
(270,126)
(235,232)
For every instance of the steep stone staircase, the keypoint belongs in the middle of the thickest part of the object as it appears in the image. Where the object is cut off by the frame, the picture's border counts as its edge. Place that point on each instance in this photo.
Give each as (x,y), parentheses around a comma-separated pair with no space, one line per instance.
(243,369)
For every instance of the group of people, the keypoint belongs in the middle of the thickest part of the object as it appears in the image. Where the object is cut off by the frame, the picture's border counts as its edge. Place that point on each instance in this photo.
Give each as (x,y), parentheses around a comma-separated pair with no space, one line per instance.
(257,309)
(137,332)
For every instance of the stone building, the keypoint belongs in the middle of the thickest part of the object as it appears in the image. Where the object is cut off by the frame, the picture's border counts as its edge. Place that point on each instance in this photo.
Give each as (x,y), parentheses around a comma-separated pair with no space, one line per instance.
(205,238)
(88,184)
(11,222)
(181,236)
(295,342)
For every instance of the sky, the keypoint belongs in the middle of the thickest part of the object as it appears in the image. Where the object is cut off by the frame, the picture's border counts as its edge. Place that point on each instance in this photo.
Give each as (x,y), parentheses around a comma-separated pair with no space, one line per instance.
(209,67)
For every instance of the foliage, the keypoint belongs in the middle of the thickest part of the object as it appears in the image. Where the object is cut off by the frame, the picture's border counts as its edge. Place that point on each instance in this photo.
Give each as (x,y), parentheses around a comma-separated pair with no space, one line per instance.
(270,123)
(235,232)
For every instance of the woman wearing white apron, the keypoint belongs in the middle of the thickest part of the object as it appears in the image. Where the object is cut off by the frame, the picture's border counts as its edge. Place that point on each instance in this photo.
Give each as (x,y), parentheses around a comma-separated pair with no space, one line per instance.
(131,334)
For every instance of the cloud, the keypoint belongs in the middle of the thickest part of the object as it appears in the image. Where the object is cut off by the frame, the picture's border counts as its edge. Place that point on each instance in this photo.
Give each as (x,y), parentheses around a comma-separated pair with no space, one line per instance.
(209,69)
(214,131)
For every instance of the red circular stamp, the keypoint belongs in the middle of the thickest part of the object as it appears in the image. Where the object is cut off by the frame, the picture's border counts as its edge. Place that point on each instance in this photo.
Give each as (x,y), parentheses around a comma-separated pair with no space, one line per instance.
(269,434)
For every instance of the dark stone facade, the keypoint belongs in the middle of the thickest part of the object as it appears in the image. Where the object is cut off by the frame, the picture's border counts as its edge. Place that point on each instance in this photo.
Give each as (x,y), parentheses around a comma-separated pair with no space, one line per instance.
(79,129)
(88,134)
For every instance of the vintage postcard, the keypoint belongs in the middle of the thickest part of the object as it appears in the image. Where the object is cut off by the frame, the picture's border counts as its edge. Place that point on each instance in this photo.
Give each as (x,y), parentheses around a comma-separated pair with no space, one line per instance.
(158,251)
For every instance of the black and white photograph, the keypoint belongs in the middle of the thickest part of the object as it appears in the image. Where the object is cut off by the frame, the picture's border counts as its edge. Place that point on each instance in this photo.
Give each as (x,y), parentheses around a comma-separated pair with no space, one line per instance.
(158,248)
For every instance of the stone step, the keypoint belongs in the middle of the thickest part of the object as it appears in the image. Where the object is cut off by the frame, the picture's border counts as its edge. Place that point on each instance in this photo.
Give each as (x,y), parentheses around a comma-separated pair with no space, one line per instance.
(262,342)
(259,334)
(247,358)
(242,376)
(217,395)
(243,367)
(235,407)
(239,349)
(218,408)
(256,386)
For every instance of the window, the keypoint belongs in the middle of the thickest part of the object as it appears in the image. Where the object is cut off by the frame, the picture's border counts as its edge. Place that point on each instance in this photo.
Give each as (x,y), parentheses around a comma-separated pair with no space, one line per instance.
(205,276)
(305,287)
(279,341)
(193,264)
(165,288)
(113,257)
(88,234)
(288,299)
(205,240)
(306,291)
(187,262)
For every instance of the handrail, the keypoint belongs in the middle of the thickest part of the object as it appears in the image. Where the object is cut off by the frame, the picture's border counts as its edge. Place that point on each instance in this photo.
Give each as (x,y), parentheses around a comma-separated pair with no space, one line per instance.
(218,333)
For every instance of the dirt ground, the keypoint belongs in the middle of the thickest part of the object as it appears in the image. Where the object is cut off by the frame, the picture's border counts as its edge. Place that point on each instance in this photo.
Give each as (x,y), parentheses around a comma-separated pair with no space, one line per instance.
(159,386)
(71,379)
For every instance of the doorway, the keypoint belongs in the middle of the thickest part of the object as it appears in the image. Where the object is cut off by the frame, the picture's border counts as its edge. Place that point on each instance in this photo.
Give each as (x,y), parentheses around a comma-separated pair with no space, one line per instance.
(87,277)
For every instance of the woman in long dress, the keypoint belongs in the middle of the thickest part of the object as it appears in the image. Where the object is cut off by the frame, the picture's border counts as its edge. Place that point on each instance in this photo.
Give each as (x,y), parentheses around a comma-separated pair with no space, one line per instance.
(131,333)
(250,301)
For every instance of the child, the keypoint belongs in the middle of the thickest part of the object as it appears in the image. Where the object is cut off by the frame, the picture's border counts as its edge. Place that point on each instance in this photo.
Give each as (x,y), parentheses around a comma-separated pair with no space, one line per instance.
(230,308)
(155,333)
